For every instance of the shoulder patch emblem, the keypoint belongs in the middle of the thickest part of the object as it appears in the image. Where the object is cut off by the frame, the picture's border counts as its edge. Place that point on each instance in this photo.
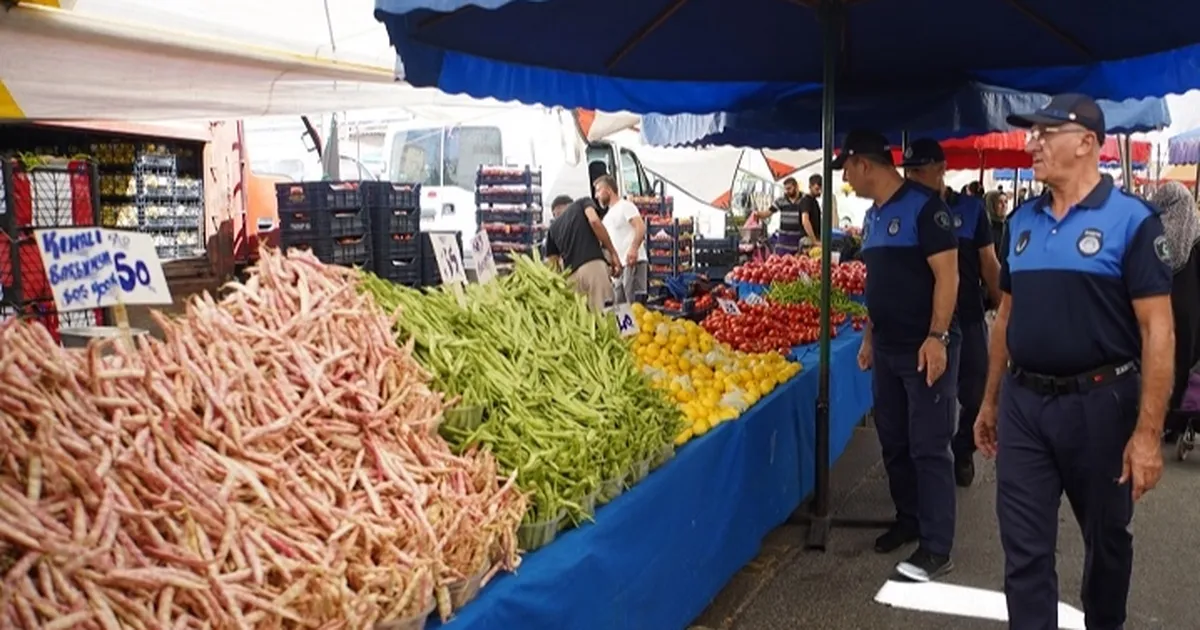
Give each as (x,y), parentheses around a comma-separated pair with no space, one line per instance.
(942,219)
(1090,242)
(894,227)
(1022,242)
(1162,249)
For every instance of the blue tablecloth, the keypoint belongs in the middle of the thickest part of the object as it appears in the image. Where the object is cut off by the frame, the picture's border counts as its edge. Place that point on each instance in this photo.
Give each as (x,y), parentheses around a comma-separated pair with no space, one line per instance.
(659,553)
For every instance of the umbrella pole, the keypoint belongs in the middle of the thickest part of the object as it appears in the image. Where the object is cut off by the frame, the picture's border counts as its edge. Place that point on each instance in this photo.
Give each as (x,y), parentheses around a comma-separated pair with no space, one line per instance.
(818,515)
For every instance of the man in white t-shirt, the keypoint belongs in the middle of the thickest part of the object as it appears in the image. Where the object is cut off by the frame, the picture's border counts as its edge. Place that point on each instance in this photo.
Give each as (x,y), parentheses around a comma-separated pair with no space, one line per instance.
(628,232)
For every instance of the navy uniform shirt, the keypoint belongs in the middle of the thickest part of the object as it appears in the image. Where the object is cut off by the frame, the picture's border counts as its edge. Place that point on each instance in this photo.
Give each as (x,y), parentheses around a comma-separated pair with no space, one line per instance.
(898,238)
(974,232)
(1073,281)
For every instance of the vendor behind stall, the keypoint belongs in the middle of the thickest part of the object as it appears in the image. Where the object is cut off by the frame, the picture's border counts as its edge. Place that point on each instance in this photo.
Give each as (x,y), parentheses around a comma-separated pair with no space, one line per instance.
(578,241)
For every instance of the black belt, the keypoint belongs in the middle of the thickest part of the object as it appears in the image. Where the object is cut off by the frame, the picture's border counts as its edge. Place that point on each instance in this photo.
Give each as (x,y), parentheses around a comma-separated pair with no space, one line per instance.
(1047,385)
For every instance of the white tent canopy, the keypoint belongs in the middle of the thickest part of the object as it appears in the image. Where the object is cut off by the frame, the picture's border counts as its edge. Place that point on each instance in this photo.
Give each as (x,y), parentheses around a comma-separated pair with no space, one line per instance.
(208,59)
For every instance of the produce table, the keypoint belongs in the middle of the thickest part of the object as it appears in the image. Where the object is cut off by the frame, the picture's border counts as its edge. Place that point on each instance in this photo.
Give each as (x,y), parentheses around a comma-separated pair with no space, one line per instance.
(659,553)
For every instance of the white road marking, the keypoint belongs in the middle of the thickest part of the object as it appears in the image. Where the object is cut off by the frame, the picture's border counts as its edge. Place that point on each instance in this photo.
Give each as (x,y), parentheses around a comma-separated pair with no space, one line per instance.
(963,601)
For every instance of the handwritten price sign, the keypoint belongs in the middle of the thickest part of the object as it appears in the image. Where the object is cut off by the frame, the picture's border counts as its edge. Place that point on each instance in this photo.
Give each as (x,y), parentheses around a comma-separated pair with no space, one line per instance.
(449,258)
(755,299)
(485,263)
(98,268)
(729,306)
(626,322)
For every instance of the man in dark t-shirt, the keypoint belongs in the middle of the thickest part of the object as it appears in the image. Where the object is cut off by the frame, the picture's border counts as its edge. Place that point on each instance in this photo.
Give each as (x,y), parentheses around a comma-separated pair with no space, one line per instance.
(578,242)
(810,211)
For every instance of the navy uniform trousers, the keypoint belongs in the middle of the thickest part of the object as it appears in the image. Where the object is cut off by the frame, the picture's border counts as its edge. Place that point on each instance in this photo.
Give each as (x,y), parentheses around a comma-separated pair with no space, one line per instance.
(1071,443)
(972,380)
(916,424)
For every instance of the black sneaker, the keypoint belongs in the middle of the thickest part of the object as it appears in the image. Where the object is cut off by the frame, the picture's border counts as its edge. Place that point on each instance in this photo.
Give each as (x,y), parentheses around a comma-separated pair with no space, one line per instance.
(924,566)
(896,537)
(964,471)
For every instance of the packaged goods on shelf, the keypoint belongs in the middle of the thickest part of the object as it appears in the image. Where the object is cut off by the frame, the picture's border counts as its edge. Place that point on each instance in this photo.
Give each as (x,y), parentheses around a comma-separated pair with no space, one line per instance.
(46,192)
(141,187)
(510,209)
(325,497)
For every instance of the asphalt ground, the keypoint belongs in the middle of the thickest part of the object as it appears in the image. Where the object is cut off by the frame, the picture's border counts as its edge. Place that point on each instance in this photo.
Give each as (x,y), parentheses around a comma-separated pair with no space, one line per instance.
(790,588)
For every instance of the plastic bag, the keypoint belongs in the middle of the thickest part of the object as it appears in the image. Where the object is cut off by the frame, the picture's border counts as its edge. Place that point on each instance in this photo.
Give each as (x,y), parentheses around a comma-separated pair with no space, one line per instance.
(736,400)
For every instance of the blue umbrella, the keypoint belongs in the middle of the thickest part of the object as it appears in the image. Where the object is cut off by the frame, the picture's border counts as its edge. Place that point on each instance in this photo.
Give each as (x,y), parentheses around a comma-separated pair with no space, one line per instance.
(796,124)
(1184,148)
(699,56)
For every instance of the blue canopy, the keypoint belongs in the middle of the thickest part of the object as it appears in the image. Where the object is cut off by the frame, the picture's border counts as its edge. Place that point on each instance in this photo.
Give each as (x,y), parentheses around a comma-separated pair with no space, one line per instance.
(796,123)
(1184,148)
(700,56)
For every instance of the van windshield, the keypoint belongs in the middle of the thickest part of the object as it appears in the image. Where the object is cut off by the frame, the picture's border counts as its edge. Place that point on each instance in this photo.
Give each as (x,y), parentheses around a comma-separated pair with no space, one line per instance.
(418,156)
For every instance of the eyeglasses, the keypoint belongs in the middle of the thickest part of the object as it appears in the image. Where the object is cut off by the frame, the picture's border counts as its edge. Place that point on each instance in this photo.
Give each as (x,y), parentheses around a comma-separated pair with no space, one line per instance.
(1040,134)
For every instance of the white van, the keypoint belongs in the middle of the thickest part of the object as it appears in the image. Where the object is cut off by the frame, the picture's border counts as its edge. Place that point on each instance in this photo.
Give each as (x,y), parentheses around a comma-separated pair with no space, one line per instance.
(444,159)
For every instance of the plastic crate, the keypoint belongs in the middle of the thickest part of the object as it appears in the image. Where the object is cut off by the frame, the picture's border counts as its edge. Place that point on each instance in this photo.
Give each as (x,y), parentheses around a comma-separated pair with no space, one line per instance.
(719,259)
(662,260)
(714,272)
(507,175)
(523,216)
(716,244)
(427,256)
(392,195)
(386,220)
(523,237)
(29,282)
(325,223)
(350,251)
(399,270)
(344,195)
(516,195)
(397,246)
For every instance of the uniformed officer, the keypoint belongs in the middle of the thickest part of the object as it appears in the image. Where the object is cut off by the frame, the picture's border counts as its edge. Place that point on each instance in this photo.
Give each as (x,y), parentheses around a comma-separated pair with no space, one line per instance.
(910,250)
(978,285)
(1080,369)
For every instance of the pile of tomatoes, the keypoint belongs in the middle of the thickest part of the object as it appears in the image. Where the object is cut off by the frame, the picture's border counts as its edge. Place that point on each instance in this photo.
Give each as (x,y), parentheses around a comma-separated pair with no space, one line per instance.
(769,327)
(850,276)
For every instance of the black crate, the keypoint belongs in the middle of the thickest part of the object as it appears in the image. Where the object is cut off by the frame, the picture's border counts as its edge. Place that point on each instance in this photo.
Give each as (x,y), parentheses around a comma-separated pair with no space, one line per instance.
(322,224)
(395,220)
(513,195)
(397,246)
(392,195)
(718,259)
(430,274)
(507,175)
(346,195)
(714,272)
(716,244)
(400,270)
(523,217)
(350,251)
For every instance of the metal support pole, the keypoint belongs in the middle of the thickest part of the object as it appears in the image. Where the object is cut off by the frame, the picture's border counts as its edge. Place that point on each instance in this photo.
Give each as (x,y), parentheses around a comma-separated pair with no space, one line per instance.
(818,515)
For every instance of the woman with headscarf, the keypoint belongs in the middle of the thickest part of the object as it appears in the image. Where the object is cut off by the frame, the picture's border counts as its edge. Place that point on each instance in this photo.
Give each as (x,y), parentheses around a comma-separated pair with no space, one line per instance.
(993,202)
(1181,226)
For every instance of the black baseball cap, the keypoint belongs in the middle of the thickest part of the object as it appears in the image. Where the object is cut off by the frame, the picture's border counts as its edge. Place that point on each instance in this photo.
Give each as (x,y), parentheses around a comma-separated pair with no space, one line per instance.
(1080,109)
(922,152)
(863,143)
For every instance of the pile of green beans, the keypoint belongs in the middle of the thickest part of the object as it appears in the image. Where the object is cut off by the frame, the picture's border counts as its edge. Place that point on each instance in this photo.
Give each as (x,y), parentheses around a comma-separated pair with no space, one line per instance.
(564,403)
(809,291)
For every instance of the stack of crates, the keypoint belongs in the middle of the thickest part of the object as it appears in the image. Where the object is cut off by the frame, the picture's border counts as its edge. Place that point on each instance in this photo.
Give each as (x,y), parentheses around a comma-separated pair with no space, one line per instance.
(395,213)
(509,201)
(431,276)
(670,243)
(715,257)
(330,219)
(62,193)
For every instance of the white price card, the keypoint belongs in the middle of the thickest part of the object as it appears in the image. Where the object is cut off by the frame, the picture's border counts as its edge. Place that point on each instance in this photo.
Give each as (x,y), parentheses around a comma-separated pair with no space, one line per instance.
(449,258)
(729,306)
(754,298)
(139,270)
(97,268)
(626,322)
(485,263)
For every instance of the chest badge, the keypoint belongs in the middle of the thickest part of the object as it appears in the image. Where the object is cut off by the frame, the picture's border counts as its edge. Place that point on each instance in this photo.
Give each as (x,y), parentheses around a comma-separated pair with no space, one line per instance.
(894,227)
(957,221)
(1022,243)
(942,219)
(1090,242)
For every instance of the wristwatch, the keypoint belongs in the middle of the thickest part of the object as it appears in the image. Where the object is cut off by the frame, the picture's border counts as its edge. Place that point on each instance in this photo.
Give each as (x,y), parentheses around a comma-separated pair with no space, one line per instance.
(942,337)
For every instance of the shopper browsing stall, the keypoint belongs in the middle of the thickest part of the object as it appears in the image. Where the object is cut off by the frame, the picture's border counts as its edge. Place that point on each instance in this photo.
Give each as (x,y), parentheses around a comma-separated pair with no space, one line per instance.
(978,286)
(627,229)
(910,250)
(790,211)
(578,242)
(1080,373)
